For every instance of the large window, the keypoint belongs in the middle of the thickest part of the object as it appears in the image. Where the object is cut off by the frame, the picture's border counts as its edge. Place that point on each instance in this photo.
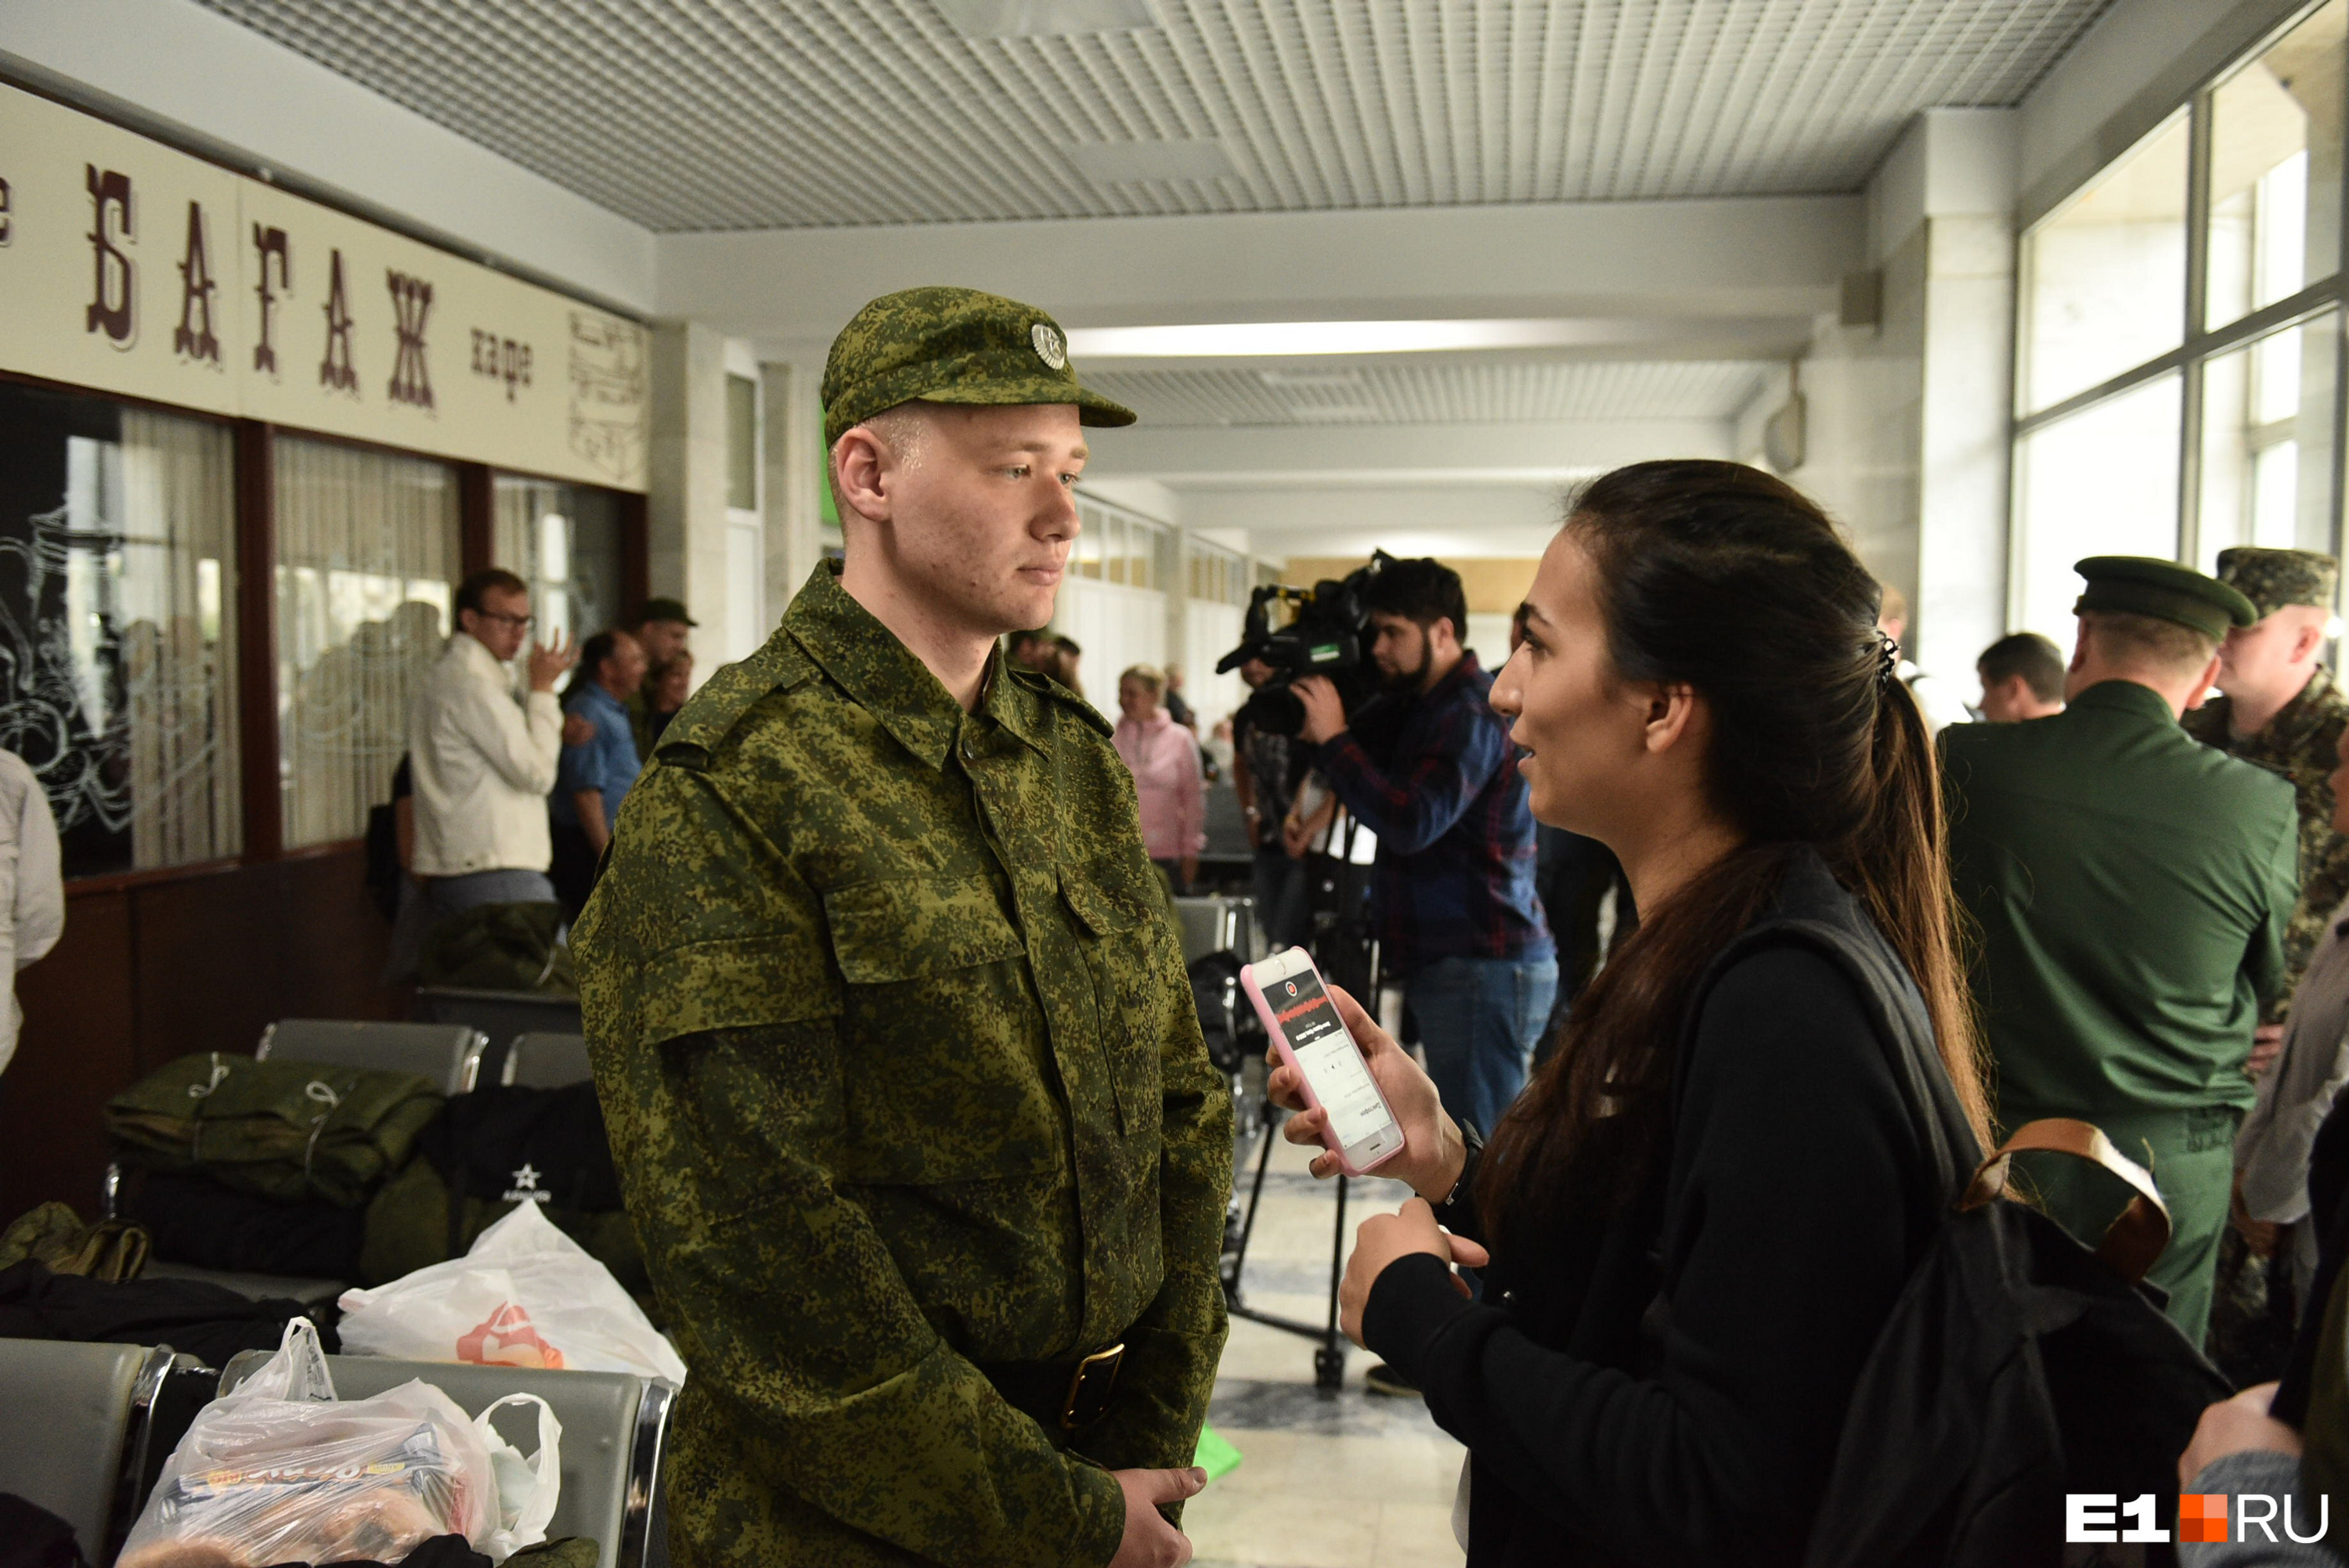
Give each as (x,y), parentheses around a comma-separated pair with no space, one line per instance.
(118,636)
(2180,335)
(564,541)
(367,569)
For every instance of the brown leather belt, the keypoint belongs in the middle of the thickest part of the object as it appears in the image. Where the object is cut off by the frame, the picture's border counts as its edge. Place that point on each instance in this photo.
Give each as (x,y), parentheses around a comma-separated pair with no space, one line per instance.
(1078,1390)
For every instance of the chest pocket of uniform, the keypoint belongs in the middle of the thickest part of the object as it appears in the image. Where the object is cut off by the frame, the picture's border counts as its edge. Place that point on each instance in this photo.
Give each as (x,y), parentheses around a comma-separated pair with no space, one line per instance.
(1117,919)
(940,1080)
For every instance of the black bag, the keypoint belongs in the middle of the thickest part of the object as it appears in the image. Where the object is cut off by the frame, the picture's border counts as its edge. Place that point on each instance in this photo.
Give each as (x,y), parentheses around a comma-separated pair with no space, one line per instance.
(2016,1368)
(491,1150)
(196,1219)
(208,1321)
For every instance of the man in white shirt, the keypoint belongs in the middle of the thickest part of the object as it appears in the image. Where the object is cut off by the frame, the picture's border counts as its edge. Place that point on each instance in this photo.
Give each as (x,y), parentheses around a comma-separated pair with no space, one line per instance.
(485,755)
(32,890)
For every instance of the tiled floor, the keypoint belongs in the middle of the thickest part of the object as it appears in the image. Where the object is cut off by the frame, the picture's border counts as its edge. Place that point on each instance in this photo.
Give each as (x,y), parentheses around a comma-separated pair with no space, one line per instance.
(1341,1478)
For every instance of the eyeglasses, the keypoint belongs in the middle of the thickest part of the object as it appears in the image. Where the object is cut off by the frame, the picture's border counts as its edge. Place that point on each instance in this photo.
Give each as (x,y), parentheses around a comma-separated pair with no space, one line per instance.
(520,622)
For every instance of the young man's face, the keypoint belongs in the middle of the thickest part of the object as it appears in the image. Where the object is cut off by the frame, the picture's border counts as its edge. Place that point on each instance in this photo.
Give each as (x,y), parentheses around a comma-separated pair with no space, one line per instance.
(1398,649)
(501,623)
(982,515)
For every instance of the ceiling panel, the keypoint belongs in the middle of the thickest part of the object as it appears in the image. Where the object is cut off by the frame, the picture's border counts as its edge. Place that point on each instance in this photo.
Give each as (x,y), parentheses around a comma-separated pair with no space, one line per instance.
(691,115)
(1451,392)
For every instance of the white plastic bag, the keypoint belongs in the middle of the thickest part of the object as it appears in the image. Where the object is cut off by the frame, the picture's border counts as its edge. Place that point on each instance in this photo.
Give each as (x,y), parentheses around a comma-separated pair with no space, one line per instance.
(526,1296)
(528,1489)
(279,1470)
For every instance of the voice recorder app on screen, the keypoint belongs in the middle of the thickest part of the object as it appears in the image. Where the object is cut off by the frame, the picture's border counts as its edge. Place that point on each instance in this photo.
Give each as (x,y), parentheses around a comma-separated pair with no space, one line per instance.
(1343,1082)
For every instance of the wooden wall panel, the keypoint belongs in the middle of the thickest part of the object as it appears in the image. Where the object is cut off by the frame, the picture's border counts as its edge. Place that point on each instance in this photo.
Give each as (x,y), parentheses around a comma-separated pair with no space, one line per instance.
(75,1051)
(207,962)
(158,969)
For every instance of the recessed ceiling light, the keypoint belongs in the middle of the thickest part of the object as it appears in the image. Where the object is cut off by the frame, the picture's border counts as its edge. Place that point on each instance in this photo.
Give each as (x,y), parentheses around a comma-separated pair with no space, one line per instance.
(1233,340)
(1044,18)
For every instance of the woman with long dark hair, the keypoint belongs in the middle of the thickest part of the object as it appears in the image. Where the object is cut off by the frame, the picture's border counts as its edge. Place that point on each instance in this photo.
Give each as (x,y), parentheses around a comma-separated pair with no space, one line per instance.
(1693,1223)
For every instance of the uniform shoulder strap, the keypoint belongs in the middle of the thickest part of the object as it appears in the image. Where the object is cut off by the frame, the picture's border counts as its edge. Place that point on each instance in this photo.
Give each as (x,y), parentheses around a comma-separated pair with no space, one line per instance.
(1050,690)
(710,715)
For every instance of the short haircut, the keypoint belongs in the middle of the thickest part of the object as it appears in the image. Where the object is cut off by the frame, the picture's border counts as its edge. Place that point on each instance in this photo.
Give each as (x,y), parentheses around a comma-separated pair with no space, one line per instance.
(1068,645)
(596,649)
(1422,591)
(2037,660)
(904,429)
(1149,676)
(1029,639)
(2147,643)
(477,586)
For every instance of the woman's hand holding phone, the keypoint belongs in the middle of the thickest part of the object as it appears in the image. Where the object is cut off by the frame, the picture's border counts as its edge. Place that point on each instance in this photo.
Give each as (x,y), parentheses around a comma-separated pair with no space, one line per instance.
(1433,1154)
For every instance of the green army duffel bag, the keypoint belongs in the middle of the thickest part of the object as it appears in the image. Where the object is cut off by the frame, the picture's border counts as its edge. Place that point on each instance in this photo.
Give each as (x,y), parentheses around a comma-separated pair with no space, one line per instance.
(502,947)
(281,1128)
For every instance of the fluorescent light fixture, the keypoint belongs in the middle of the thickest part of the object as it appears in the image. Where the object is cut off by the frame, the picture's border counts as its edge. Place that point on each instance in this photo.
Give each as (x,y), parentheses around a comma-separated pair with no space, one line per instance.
(1237,340)
(1124,162)
(1044,18)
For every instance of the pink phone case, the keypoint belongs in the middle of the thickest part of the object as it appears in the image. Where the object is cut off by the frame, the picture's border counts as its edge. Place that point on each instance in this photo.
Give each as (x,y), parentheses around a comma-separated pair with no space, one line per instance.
(1312,1101)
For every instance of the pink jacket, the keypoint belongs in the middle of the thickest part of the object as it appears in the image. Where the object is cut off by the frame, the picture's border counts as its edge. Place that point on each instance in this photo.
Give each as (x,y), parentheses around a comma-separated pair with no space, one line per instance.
(1165,763)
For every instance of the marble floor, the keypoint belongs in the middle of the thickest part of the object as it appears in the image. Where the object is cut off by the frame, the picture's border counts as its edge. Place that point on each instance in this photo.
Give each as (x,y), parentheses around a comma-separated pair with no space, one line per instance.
(1327,1479)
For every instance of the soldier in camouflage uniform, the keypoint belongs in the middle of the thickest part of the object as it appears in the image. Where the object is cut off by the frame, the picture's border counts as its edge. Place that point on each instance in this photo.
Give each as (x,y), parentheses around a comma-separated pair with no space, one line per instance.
(2271,675)
(902,1069)
(2282,711)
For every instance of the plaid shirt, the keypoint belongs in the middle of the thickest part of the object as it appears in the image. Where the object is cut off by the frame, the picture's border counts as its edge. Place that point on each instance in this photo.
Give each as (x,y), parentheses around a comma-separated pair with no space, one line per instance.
(1455,870)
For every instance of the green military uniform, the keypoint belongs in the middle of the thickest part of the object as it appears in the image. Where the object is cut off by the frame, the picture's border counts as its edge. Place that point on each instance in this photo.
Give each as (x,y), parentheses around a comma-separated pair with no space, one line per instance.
(905,1082)
(2131,888)
(2301,742)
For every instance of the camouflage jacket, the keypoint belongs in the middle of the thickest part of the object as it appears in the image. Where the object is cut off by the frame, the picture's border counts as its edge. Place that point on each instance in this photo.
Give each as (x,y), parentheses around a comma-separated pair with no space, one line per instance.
(904,1079)
(2301,743)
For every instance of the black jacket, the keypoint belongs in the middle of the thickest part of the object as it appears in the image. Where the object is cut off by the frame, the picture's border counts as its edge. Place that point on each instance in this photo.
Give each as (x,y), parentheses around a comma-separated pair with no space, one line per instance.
(1666,1383)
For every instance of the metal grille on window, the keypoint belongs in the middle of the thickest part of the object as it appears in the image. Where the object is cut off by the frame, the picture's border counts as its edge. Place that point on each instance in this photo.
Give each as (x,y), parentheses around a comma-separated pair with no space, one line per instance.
(117,637)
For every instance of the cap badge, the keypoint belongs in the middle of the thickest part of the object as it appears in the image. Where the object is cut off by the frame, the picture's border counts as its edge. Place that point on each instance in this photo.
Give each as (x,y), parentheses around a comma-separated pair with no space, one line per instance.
(1050,347)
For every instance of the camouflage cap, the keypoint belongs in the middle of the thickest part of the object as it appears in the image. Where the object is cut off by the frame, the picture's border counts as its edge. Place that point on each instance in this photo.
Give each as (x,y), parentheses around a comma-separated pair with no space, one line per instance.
(2271,579)
(952,345)
(2145,585)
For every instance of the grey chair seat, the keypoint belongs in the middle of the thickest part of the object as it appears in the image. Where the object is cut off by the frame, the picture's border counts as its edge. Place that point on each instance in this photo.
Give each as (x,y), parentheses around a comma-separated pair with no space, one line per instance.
(74,1437)
(447,1055)
(547,1061)
(614,1429)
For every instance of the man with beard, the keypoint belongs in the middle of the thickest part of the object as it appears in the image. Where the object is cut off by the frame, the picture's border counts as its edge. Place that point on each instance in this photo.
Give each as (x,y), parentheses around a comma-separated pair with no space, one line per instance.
(1459,923)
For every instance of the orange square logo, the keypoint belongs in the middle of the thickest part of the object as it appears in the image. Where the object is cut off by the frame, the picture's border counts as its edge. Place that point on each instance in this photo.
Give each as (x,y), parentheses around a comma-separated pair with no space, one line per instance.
(2202,1516)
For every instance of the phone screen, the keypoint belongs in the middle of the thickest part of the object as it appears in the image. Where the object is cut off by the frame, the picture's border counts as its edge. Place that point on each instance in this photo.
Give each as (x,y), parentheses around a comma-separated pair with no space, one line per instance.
(1342,1079)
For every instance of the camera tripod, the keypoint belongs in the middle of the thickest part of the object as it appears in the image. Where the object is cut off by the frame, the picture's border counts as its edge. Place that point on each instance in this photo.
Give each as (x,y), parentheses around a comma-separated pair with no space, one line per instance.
(1347,954)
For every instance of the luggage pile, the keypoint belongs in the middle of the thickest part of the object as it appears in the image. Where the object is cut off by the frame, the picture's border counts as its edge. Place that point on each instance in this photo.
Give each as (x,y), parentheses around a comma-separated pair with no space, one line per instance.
(418,1230)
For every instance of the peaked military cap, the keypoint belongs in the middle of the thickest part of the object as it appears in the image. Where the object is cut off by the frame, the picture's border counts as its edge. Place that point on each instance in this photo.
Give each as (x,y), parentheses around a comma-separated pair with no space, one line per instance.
(952,345)
(2145,585)
(2271,579)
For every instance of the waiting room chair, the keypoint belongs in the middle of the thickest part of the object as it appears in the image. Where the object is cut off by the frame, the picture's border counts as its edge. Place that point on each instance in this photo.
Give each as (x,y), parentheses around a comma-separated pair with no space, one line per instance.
(449,1055)
(500,1014)
(546,1061)
(80,1425)
(614,1427)
(1213,925)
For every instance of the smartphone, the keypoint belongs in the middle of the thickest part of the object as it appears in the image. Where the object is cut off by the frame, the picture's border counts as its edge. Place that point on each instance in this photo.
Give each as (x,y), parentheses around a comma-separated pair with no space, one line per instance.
(1302,1022)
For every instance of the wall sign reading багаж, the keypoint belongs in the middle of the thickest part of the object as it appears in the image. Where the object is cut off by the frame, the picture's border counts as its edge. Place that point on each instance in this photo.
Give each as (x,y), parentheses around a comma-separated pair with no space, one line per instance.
(127,266)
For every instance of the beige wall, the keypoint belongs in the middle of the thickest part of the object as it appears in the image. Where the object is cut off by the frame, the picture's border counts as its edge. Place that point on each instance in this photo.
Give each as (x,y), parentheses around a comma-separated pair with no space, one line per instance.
(1494,587)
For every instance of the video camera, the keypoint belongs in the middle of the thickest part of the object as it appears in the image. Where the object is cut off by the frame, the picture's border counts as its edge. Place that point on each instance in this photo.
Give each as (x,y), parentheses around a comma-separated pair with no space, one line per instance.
(1327,633)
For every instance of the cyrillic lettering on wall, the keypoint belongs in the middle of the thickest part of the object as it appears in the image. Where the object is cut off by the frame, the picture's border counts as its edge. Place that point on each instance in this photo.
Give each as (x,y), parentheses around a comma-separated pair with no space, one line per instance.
(111,299)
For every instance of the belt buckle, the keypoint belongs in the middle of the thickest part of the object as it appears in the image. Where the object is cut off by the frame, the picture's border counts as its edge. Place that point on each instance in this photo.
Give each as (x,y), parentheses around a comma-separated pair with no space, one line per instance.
(1090,1387)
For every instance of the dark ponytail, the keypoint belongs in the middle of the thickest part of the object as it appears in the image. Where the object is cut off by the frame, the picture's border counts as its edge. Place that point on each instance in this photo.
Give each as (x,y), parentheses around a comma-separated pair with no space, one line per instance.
(1719,577)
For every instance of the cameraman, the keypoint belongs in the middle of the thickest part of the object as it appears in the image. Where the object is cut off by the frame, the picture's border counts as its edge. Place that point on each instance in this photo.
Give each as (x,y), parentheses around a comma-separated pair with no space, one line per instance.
(1460,926)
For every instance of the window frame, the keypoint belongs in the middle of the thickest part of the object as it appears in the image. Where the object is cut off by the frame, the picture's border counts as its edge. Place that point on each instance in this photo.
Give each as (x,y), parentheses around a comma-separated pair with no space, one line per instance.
(2198,344)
